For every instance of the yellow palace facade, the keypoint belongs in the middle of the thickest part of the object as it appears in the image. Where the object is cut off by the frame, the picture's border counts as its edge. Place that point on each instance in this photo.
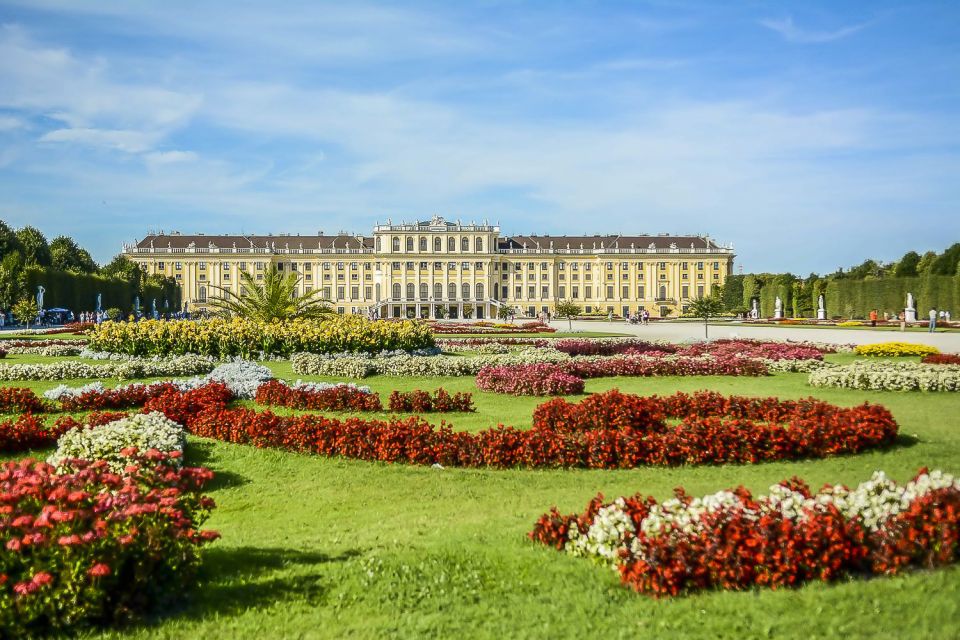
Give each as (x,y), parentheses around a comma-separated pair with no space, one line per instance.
(436,268)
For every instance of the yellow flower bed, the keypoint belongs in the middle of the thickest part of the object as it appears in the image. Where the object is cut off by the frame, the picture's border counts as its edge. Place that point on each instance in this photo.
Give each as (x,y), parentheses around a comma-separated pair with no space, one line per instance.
(850,323)
(236,337)
(895,349)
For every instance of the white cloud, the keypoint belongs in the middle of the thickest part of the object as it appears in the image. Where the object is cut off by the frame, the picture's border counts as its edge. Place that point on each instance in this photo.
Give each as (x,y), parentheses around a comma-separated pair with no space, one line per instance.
(9,123)
(170,157)
(793,33)
(118,139)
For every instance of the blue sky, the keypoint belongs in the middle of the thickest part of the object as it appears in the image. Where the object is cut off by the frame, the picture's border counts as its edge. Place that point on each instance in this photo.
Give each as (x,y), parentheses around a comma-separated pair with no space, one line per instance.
(811,135)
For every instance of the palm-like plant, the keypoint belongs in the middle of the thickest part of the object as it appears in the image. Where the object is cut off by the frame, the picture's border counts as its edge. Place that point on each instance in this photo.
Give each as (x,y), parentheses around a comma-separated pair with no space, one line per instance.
(272,299)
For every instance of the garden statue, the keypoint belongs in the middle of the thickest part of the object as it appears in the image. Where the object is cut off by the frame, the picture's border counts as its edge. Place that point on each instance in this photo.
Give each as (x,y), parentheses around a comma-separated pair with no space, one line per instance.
(911,311)
(153,307)
(821,311)
(99,302)
(136,305)
(40,292)
(778,309)
(754,312)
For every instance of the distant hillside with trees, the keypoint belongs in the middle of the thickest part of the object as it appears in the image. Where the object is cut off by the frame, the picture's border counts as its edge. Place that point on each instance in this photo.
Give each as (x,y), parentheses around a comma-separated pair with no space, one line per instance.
(933,279)
(70,276)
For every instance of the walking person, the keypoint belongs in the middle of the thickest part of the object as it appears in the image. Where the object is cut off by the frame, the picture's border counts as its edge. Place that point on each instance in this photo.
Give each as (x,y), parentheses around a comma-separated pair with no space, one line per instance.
(873,318)
(933,321)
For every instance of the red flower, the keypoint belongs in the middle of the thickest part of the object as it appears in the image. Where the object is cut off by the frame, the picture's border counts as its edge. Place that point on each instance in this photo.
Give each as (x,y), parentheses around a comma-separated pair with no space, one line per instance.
(99,570)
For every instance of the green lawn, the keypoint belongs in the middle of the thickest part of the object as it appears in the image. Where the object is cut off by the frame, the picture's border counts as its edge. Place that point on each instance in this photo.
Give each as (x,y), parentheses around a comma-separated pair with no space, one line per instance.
(316,548)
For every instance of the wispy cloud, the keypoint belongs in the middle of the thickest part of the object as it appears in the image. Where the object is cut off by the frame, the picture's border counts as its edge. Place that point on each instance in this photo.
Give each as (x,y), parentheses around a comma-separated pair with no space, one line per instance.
(793,33)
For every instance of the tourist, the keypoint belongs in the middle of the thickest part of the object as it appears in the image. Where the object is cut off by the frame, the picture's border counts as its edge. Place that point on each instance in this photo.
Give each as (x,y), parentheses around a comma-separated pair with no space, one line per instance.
(646,317)
(873,318)
(933,321)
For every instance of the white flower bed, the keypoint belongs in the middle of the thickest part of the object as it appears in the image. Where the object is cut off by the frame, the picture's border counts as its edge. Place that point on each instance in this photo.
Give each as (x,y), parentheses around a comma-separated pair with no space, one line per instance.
(873,503)
(357,366)
(53,350)
(317,387)
(242,377)
(794,366)
(889,376)
(144,431)
(129,369)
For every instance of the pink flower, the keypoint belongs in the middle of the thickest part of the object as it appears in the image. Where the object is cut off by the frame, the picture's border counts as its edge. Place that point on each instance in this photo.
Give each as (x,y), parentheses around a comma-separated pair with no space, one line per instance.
(42,578)
(99,570)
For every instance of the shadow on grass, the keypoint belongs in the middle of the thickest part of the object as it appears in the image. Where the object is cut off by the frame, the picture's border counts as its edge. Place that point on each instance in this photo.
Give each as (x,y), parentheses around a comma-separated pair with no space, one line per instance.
(903,440)
(200,454)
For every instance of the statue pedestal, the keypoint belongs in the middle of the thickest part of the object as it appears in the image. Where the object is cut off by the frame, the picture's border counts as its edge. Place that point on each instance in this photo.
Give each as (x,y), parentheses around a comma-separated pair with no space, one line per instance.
(821,314)
(777,315)
(911,315)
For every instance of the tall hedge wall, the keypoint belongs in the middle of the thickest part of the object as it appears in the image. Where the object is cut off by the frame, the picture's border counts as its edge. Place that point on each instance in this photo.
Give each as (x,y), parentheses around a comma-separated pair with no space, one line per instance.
(78,291)
(856,298)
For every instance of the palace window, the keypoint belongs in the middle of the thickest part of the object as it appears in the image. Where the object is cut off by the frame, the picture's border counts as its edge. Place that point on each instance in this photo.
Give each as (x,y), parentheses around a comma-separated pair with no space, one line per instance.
(663,276)
(203,265)
(716,265)
(409,245)
(410,291)
(624,265)
(423,266)
(226,276)
(641,294)
(544,292)
(609,265)
(663,293)
(437,291)
(202,294)
(700,291)
(354,292)
(576,292)
(409,265)
(437,245)
(562,291)
(716,276)
(683,265)
(544,265)
(625,276)
(451,245)
(531,292)
(395,266)
(307,266)
(699,276)
(451,266)
(465,290)
(685,276)
(519,292)
(465,244)
(685,291)
(326,266)
(506,291)
(279,266)
(588,291)
(203,276)
(341,293)
(609,276)
(326,293)
(243,265)
(561,266)
(479,289)
(177,266)
(396,244)
(367,292)
(640,276)
(609,293)
(438,265)
(699,265)
(378,244)
(423,244)
(625,292)
(586,267)
(478,266)
(396,290)
(574,266)
(663,265)
(479,245)
(159,265)
(293,266)
(259,266)
(259,276)
(452,290)
(424,291)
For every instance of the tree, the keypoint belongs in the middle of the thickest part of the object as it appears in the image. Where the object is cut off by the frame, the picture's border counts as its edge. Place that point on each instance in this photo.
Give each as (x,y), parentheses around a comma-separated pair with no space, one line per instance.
(706,308)
(440,312)
(67,256)
(8,240)
(504,311)
(124,268)
(468,310)
(273,299)
(25,310)
(907,267)
(567,309)
(946,263)
(13,281)
(925,264)
(36,251)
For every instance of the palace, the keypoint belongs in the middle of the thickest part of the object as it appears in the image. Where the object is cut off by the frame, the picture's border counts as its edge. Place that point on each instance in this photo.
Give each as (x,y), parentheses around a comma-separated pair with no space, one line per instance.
(436,268)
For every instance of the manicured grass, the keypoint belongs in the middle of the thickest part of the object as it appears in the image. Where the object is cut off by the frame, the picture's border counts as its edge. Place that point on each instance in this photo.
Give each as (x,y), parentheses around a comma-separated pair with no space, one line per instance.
(315,547)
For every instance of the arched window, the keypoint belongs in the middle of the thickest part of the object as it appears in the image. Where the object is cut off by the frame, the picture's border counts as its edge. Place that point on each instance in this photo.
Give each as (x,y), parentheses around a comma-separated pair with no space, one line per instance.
(409,291)
(423,244)
(466,290)
(378,292)
(396,291)
(452,290)
(479,245)
(663,292)
(465,244)
(424,291)
(437,291)
(410,245)
(202,294)
(378,243)
(479,291)
(437,244)
(396,244)
(451,245)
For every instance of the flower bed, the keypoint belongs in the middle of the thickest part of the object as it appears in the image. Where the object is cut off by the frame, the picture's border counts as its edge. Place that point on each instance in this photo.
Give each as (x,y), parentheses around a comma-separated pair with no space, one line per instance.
(29,432)
(734,540)
(724,348)
(714,430)
(529,380)
(359,366)
(889,376)
(941,358)
(895,349)
(452,344)
(454,328)
(139,368)
(318,396)
(246,338)
(18,400)
(47,350)
(610,347)
(92,547)
(654,365)
(110,442)
(423,402)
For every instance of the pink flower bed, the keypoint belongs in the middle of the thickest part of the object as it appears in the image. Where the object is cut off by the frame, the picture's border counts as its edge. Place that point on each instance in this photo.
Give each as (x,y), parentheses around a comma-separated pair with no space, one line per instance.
(529,380)
(754,349)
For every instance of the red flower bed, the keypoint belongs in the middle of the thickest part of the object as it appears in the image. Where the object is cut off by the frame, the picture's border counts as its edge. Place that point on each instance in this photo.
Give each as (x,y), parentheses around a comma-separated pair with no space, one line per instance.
(29,432)
(181,406)
(745,543)
(605,432)
(529,380)
(93,547)
(20,400)
(583,347)
(422,402)
(627,430)
(941,358)
(338,398)
(725,348)
(454,328)
(133,395)
(476,342)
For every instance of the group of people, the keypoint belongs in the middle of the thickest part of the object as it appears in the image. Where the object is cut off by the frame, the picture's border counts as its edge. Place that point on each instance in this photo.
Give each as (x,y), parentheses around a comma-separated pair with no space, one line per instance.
(934,316)
(640,317)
